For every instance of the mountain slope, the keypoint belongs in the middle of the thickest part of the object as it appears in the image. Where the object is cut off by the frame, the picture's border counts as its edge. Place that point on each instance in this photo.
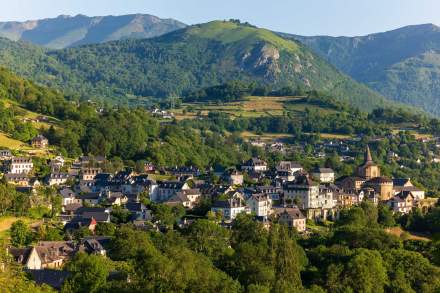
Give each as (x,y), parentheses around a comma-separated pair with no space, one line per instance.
(66,31)
(181,61)
(402,64)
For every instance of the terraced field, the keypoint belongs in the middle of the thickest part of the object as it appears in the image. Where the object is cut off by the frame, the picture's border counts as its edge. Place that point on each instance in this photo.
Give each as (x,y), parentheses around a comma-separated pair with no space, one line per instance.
(250,107)
(10,143)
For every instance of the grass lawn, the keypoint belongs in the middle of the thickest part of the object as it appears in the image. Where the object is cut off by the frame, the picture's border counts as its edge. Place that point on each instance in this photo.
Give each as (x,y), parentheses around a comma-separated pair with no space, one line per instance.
(159,177)
(335,136)
(7,221)
(26,114)
(399,232)
(14,144)
(264,136)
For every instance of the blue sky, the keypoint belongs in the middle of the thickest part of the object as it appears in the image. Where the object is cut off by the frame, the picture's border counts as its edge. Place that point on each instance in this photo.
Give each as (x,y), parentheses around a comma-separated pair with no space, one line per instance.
(307,17)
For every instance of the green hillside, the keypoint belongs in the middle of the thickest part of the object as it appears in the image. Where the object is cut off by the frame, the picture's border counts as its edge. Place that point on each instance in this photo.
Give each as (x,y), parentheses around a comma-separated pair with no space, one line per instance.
(402,64)
(195,57)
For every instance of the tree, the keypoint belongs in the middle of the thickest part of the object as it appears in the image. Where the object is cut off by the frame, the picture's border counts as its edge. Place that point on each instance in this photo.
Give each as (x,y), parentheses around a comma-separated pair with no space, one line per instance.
(209,238)
(167,215)
(409,269)
(353,217)
(21,235)
(366,272)
(385,216)
(105,229)
(50,233)
(371,212)
(88,273)
(120,215)
(127,243)
(288,263)
(7,196)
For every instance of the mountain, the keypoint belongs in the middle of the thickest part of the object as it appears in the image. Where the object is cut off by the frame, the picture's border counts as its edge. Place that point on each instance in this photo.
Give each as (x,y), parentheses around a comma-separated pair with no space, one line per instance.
(181,61)
(67,31)
(402,64)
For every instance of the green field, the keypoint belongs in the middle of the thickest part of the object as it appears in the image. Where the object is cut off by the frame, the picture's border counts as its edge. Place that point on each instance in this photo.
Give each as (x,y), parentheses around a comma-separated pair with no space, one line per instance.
(7,142)
(31,116)
(250,107)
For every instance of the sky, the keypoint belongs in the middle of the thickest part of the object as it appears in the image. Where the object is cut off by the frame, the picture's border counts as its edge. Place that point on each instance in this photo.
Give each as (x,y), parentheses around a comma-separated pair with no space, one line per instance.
(304,17)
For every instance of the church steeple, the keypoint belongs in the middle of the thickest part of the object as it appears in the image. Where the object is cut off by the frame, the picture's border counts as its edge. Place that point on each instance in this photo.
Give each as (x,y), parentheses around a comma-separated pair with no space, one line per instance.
(367,156)
(368,169)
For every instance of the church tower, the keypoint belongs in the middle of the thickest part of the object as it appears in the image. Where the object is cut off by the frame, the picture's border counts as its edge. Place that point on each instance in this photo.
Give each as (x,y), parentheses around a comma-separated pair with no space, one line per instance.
(368,169)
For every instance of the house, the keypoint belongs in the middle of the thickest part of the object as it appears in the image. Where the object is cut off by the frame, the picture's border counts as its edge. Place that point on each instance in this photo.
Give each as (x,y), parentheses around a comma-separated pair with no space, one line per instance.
(292,218)
(149,167)
(5,155)
(402,203)
(56,164)
(138,184)
(273,192)
(285,175)
(88,174)
(21,165)
(88,161)
(405,185)
(188,172)
(102,181)
(188,198)
(57,178)
(87,217)
(122,177)
(40,142)
(18,179)
(309,196)
(94,245)
(69,197)
(139,211)
(79,222)
(46,254)
(382,185)
(293,167)
(324,175)
(235,178)
(229,209)
(101,215)
(254,165)
(116,198)
(90,198)
(303,191)
(350,182)
(260,205)
(166,189)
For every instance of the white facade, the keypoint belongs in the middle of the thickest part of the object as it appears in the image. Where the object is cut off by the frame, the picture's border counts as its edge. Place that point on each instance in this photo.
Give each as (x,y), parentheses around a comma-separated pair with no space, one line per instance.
(309,195)
(165,190)
(260,205)
(229,213)
(21,165)
(255,165)
(324,176)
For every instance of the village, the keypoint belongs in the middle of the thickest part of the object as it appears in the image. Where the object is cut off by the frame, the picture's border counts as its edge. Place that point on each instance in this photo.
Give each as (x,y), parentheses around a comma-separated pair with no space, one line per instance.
(285,193)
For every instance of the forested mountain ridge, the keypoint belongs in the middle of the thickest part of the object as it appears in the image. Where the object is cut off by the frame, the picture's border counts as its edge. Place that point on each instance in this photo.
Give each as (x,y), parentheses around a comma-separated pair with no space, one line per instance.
(402,64)
(184,60)
(69,31)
